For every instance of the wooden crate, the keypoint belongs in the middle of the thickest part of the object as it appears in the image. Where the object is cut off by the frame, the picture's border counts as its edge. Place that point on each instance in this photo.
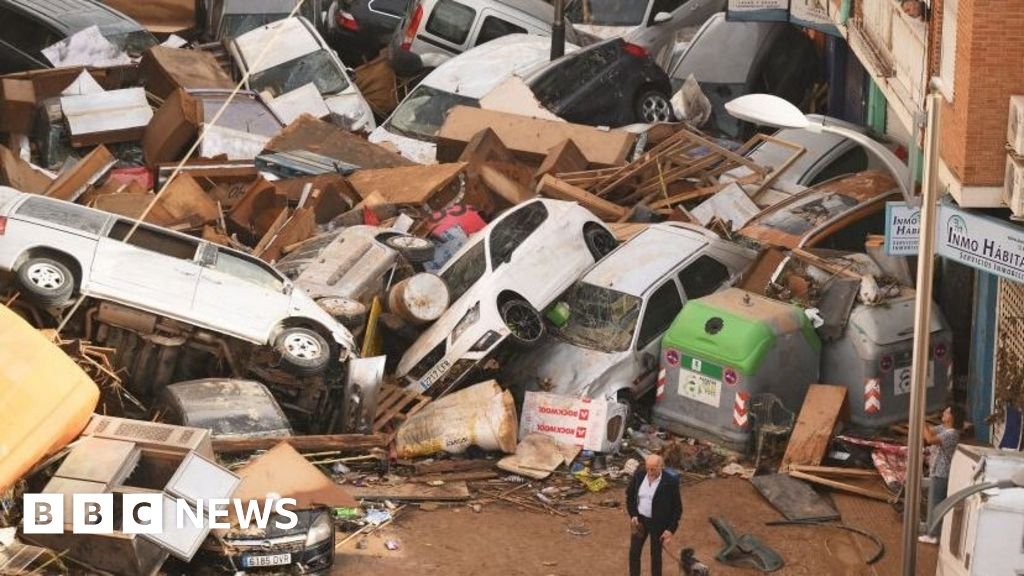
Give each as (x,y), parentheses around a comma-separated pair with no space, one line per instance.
(395,405)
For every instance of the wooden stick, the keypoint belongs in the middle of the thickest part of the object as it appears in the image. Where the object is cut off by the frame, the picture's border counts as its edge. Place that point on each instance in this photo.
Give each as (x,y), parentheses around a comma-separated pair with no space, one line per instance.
(835,471)
(336,442)
(875,494)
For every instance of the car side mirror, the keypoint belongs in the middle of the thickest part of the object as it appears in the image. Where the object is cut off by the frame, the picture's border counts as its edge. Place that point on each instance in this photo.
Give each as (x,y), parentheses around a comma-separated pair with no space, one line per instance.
(661,18)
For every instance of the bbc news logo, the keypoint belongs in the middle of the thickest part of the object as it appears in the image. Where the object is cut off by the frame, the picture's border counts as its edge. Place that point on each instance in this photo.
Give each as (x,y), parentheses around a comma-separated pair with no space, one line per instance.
(145,513)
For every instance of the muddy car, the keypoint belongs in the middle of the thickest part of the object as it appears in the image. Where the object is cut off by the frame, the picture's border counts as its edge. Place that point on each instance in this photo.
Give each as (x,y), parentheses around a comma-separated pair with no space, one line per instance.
(227,407)
(614,316)
(499,282)
(838,214)
(58,249)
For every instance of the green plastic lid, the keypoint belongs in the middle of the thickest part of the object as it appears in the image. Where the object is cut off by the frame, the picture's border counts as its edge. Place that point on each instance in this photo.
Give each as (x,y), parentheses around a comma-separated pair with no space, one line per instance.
(735,328)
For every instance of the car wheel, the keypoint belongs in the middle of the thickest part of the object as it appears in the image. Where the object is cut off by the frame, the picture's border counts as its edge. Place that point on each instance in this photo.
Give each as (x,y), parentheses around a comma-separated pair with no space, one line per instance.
(413,248)
(350,313)
(523,321)
(303,351)
(653,106)
(599,241)
(47,281)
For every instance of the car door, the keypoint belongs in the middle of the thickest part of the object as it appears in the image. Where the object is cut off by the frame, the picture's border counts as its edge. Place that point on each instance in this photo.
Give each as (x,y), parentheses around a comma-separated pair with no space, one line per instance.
(153,269)
(523,259)
(660,310)
(240,295)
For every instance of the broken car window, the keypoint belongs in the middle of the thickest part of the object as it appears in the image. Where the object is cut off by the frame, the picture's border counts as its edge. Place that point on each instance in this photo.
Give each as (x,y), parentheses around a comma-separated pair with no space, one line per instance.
(496,28)
(511,231)
(422,113)
(801,217)
(702,277)
(247,270)
(155,240)
(607,12)
(661,311)
(451,21)
(599,318)
(316,67)
(464,272)
(69,215)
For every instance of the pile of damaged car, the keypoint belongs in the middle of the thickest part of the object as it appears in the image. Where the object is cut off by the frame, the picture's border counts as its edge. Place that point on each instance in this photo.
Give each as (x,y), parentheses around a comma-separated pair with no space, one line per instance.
(290,286)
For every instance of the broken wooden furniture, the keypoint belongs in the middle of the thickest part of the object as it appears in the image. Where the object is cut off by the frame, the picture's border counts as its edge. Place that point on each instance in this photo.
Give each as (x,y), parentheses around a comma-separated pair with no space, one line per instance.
(771,420)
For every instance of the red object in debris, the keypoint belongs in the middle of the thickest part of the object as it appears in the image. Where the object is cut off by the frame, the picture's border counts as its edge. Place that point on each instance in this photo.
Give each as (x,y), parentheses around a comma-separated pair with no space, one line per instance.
(414,25)
(138,174)
(635,50)
(465,217)
(347,21)
(369,218)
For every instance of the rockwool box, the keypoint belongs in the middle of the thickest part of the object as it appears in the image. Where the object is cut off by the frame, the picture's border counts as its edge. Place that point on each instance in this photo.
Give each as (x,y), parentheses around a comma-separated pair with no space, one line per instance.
(595,425)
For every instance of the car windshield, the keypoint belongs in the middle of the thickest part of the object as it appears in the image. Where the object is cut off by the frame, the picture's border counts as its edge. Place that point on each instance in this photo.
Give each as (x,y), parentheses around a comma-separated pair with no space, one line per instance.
(134,43)
(234,25)
(316,67)
(465,271)
(607,12)
(422,113)
(599,318)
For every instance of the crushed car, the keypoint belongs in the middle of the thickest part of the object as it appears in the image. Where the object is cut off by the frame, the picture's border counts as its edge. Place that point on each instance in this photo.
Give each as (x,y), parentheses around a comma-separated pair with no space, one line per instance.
(499,283)
(606,330)
(58,249)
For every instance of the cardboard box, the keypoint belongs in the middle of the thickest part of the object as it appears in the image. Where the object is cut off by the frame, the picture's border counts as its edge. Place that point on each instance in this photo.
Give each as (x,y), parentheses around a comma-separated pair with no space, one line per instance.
(174,126)
(531,139)
(17,106)
(574,421)
(163,70)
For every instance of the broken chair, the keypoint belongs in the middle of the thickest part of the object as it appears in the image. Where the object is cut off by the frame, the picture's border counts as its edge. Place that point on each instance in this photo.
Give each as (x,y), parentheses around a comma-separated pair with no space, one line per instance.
(770,419)
(744,551)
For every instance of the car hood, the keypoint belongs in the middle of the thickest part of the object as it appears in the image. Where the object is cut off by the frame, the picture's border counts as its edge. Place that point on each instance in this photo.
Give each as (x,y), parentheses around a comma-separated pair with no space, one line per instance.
(562,368)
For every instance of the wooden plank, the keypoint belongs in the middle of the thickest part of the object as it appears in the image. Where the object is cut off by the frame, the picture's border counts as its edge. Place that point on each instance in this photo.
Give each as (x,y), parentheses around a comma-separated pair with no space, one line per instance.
(486,147)
(758,276)
(508,189)
(813,430)
(824,264)
(447,466)
(853,489)
(275,226)
(793,498)
(835,471)
(301,226)
(471,476)
(452,492)
(565,157)
(406,185)
(184,201)
(555,188)
(316,443)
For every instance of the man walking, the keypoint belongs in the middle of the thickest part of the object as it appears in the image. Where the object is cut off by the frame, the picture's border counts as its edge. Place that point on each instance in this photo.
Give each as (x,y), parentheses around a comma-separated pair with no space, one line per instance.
(655,508)
(942,441)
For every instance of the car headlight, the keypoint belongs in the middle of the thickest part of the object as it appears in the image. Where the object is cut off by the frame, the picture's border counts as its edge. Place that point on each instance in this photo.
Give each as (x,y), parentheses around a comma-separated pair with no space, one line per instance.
(467,321)
(485,342)
(321,530)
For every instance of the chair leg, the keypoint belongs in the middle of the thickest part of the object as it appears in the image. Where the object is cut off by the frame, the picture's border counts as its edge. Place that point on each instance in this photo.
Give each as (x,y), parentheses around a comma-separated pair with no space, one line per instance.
(760,445)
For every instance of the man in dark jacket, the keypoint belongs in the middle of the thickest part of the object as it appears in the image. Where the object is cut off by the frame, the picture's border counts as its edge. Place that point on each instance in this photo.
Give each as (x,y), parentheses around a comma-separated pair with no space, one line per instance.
(655,508)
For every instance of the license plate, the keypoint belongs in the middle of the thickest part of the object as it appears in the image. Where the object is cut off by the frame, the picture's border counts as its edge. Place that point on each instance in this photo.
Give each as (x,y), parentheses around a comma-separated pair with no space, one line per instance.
(435,373)
(270,560)
(700,387)
(901,379)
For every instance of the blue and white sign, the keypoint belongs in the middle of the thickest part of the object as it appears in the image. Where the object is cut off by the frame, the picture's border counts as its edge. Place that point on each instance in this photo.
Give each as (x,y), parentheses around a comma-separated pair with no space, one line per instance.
(982,242)
(902,229)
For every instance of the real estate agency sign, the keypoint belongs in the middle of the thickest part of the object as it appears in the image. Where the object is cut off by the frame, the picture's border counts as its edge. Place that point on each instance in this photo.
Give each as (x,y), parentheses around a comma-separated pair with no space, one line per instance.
(978,241)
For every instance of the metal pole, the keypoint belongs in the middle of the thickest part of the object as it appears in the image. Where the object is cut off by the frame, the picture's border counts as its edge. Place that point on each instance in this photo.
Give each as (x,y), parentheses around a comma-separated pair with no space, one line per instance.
(558,30)
(922,322)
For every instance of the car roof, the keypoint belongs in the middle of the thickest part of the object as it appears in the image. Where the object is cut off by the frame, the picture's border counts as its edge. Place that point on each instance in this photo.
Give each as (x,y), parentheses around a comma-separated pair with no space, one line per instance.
(536,8)
(296,39)
(75,15)
(258,6)
(645,258)
(742,45)
(476,72)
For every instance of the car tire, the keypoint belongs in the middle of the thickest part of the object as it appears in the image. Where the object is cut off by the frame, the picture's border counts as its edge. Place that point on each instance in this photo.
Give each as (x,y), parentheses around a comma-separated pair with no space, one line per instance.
(599,241)
(413,248)
(46,281)
(350,313)
(523,321)
(303,351)
(653,106)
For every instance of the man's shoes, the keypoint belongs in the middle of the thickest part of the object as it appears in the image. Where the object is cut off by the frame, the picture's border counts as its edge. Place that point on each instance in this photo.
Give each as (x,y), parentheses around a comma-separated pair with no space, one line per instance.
(926,539)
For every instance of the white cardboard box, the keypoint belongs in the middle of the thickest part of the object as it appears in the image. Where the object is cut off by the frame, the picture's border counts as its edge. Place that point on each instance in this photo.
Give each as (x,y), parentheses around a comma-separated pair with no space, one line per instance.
(574,421)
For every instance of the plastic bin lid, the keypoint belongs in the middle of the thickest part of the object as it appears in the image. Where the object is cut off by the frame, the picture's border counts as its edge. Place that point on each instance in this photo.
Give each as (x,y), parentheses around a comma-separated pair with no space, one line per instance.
(735,327)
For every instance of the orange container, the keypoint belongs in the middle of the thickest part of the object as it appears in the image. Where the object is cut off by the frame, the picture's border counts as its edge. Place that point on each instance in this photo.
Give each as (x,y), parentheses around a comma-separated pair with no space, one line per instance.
(45,398)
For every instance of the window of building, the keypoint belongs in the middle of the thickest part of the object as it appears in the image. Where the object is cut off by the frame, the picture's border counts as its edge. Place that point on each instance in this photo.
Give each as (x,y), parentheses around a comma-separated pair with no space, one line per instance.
(947,60)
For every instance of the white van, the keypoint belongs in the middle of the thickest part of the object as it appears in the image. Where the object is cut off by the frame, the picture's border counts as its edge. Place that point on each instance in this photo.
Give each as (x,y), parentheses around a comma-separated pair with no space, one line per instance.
(461,81)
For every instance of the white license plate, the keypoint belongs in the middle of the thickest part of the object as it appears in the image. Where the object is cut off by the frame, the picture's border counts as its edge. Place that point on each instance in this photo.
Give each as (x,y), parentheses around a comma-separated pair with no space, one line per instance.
(901,379)
(435,373)
(270,560)
(699,387)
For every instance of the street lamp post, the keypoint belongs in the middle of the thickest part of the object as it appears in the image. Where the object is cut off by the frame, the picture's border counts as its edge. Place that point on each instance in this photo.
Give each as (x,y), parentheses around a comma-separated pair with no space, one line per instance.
(769,110)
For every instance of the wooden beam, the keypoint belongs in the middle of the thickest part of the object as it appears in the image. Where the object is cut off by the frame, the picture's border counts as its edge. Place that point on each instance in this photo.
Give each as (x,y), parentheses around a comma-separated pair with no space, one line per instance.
(554,188)
(835,471)
(446,466)
(453,492)
(317,443)
(876,494)
(812,432)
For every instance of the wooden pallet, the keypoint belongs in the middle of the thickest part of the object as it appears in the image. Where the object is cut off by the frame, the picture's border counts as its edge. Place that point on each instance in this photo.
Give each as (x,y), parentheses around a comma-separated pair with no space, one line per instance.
(395,405)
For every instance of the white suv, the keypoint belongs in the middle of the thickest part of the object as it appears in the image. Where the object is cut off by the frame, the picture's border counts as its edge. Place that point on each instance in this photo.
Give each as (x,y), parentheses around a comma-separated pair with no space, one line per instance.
(57,249)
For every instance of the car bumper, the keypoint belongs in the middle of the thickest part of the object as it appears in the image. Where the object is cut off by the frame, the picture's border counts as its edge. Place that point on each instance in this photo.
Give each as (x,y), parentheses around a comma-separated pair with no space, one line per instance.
(452,369)
(302,559)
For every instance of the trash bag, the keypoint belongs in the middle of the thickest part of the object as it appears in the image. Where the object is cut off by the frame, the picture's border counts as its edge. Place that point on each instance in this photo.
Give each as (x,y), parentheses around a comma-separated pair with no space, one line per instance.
(690,104)
(482,415)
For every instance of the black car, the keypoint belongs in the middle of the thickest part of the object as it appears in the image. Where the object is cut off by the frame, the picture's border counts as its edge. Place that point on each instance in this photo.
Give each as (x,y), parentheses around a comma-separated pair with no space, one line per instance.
(612,83)
(363,27)
(29,26)
(306,548)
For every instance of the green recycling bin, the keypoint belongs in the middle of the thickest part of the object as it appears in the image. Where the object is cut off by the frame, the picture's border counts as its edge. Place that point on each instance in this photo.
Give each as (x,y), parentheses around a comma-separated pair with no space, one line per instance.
(725,349)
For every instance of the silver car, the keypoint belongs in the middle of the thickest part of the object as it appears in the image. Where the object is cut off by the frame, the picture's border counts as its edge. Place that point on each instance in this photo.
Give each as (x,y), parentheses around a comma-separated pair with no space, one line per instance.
(609,344)
(57,249)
